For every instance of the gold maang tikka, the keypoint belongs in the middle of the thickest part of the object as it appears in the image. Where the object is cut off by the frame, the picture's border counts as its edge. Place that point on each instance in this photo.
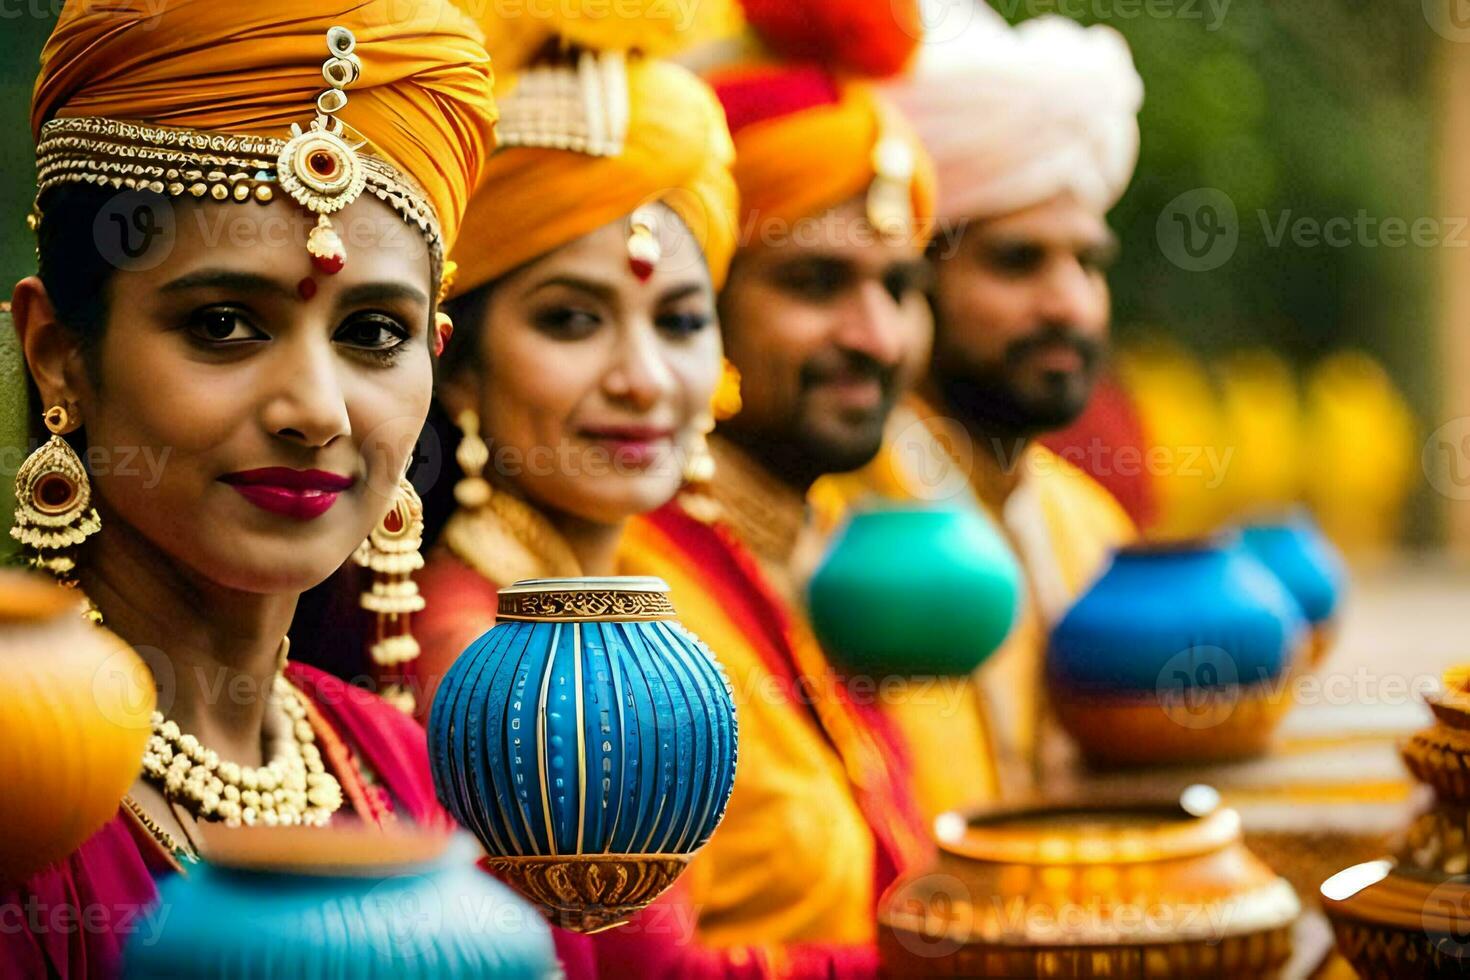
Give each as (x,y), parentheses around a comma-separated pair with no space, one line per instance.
(644,250)
(318,167)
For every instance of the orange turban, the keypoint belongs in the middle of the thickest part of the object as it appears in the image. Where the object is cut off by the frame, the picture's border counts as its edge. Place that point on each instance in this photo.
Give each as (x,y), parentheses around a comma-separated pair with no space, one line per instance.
(534,199)
(809,133)
(423,101)
(805,142)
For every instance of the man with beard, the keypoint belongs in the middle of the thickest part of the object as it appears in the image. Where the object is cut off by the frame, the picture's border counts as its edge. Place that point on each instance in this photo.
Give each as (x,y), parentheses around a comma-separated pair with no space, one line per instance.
(1034,136)
(822,307)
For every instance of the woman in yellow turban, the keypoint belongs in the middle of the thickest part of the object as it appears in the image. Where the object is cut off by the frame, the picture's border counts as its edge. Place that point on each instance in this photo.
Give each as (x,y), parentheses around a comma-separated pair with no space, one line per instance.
(242,213)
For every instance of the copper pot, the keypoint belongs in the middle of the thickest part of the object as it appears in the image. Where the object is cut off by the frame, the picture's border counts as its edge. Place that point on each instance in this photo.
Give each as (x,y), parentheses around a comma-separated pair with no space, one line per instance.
(1145,889)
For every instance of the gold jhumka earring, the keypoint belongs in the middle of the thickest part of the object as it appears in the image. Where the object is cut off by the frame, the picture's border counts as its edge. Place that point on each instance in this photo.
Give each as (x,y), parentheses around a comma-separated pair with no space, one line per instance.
(699,464)
(391,553)
(54,512)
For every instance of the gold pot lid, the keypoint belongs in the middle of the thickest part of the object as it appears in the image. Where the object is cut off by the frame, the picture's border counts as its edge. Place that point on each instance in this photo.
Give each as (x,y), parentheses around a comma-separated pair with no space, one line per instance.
(610,599)
(1093,832)
(1386,893)
(1092,873)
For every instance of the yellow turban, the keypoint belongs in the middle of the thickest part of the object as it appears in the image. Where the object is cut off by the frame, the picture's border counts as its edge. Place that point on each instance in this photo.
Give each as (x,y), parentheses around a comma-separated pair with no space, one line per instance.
(423,101)
(677,150)
(804,143)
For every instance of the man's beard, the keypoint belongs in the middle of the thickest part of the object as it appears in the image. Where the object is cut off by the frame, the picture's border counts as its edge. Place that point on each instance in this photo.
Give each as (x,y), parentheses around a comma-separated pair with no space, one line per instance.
(988,396)
(808,446)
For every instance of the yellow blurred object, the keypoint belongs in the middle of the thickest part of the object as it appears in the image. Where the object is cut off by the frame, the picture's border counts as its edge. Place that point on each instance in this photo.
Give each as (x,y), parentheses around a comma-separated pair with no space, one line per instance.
(653,28)
(1261,419)
(74,707)
(1359,451)
(1182,424)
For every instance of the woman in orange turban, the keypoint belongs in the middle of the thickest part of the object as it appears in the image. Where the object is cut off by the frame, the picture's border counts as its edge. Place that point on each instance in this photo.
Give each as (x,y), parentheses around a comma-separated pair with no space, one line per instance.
(584,288)
(242,213)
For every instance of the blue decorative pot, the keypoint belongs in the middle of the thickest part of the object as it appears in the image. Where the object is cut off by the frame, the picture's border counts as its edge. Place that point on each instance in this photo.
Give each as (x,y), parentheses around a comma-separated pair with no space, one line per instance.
(588,740)
(915,591)
(1178,652)
(435,917)
(1300,555)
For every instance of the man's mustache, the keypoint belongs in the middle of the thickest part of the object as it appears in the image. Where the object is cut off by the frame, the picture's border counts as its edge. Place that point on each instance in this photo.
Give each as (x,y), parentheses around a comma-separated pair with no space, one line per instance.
(1056,335)
(849,365)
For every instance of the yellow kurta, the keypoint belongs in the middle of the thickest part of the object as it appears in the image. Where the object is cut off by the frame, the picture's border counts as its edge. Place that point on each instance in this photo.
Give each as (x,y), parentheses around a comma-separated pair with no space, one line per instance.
(983,741)
(794,859)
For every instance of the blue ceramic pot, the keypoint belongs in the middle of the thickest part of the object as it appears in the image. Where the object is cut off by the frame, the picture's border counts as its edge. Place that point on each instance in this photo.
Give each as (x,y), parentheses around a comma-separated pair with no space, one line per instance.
(1176,653)
(444,918)
(588,740)
(915,591)
(1300,555)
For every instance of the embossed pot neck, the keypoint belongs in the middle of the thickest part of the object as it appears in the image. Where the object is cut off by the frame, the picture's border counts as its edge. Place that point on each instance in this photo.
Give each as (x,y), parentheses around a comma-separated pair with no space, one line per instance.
(578,600)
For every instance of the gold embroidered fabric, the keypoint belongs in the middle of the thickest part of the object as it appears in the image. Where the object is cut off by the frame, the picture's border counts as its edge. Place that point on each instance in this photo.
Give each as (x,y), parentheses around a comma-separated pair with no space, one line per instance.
(765,514)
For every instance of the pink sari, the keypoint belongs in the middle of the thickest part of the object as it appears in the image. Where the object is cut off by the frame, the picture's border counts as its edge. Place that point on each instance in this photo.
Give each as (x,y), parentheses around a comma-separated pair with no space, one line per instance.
(73,919)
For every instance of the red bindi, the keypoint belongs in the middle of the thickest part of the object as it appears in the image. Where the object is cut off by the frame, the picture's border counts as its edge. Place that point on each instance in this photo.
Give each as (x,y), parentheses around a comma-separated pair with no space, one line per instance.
(306,288)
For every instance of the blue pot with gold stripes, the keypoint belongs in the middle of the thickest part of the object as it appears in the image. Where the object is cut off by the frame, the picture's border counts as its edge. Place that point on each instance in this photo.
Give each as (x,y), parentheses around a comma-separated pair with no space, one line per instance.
(588,741)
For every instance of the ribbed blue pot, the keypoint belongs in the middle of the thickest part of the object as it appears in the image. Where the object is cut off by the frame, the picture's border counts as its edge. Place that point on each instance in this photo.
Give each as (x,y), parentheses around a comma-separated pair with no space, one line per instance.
(1300,555)
(915,591)
(445,919)
(1156,609)
(587,737)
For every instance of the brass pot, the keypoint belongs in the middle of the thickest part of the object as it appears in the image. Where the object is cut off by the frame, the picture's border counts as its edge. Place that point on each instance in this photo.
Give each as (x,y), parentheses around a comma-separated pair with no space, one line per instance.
(1395,922)
(1151,889)
(1410,916)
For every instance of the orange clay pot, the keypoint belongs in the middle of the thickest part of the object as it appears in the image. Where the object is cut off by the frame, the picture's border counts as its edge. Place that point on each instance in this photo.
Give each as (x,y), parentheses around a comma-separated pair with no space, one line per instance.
(74,707)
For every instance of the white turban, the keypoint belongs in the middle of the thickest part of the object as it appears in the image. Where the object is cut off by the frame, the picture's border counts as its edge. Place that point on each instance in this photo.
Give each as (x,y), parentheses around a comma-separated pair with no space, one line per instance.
(1016,116)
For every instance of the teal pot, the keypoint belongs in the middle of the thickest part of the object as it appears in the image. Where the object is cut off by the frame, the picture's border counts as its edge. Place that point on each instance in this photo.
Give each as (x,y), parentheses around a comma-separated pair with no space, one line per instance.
(326,911)
(915,591)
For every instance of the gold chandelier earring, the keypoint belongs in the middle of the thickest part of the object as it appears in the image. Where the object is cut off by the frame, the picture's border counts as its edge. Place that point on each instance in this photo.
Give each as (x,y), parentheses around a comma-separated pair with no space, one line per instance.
(54,512)
(472,491)
(391,552)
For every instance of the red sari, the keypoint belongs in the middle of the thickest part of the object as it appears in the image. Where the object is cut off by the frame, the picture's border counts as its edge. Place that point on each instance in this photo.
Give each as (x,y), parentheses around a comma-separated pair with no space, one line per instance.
(74,918)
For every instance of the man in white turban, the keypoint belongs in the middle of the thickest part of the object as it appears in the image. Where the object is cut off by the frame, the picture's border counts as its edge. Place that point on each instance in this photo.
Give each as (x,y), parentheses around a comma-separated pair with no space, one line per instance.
(1034,135)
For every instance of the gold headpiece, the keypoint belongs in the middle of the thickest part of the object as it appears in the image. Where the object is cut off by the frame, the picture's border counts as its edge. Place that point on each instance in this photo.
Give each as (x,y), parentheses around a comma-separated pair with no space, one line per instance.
(644,250)
(580,106)
(890,203)
(317,167)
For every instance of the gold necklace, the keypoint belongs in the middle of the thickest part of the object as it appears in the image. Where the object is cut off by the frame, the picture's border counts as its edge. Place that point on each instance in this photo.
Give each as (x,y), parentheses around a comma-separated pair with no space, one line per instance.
(293,789)
(506,540)
(166,840)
